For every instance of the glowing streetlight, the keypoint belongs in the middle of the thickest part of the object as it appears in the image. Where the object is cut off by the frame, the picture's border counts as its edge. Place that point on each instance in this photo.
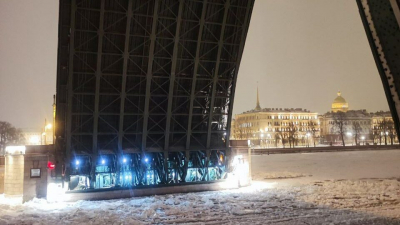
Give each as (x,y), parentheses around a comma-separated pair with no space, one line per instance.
(363,139)
(49,126)
(34,140)
(349,133)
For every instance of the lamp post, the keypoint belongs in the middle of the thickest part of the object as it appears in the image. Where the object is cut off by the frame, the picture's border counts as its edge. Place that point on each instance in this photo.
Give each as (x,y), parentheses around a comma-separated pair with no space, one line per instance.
(44,134)
(308,142)
(349,134)
(363,139)
(261,135)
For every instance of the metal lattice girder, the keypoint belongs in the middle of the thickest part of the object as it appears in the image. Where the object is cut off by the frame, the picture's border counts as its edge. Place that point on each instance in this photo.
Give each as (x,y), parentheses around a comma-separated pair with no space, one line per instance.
(381,20)
(195,70)
(143,76)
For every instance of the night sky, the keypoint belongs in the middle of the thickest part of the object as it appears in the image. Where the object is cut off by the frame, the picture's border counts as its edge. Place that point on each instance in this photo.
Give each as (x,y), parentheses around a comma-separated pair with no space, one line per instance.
(300,52)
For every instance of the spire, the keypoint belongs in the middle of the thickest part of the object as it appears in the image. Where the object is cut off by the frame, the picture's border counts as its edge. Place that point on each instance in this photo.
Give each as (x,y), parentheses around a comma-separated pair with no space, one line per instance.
(258,107)
(339,94)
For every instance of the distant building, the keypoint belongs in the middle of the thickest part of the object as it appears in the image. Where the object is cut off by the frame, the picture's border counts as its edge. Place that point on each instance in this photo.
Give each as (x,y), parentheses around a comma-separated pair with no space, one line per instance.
(359,126)
(276,127)
(359,120)
(382,128)
(271,127)
(32,136)
(43,136)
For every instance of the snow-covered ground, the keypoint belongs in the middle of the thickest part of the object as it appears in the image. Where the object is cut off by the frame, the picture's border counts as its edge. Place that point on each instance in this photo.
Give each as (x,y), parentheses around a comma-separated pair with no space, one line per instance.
(327,166)
(319,188)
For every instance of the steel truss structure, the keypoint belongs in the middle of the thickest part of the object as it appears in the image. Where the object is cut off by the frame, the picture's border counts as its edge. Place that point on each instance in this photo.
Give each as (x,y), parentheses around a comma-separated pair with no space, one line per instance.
(381,20)
(145,89)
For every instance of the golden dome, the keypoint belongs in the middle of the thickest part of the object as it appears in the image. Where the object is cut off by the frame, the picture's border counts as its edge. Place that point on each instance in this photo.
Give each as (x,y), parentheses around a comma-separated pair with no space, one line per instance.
(340,104)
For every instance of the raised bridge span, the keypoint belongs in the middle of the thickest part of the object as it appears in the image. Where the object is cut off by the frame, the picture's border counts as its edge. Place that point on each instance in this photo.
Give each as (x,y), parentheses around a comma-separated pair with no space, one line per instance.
(145,88)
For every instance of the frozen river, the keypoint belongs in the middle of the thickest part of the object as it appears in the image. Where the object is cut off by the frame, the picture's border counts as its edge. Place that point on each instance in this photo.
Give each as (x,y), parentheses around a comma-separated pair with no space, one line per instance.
(318,188)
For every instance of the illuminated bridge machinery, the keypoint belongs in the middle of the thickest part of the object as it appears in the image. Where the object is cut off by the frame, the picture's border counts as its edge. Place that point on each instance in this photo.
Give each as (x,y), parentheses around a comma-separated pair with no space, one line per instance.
(150,170)
(145,90)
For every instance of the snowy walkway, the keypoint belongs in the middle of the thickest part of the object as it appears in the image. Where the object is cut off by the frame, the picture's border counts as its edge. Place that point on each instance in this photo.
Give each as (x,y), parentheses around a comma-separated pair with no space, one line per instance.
(311,198)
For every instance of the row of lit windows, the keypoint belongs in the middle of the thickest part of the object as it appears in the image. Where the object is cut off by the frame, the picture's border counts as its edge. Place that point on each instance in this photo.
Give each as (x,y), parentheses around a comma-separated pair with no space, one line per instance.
(277,129)
(381,121)
(281,117)
(382,127)
(351,122)
(277,124)
(362,130)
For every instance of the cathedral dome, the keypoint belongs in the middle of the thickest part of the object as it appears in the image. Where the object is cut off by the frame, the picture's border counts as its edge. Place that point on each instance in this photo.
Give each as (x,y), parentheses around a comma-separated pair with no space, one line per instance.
(340,104)
(340,99)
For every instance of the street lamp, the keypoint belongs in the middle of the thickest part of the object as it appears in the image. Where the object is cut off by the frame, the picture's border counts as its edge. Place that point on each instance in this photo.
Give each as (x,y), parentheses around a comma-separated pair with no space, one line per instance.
(261,142)
(363,139)
(308,143)
(47,127)
(349,134)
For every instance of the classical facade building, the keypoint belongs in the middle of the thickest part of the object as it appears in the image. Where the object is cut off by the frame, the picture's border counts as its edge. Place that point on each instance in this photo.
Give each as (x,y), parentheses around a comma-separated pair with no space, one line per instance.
(382,129)
(277,127)
(272,127)
(355,126)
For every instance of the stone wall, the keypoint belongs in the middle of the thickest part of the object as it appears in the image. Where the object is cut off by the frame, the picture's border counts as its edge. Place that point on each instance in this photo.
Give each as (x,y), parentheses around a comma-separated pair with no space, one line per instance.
(1,179)
(14,175)
(35,187)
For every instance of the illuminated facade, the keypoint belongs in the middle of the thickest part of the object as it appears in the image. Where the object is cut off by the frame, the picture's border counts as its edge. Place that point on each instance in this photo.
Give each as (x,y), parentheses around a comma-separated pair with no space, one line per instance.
(42,136)
(354,122)
(357,124)
(382,128)
(330,131)
(272,127)
(32,136)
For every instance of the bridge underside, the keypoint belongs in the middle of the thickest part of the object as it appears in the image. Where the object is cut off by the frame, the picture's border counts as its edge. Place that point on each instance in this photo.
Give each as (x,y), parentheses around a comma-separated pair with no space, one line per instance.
(145,89)
(381,21)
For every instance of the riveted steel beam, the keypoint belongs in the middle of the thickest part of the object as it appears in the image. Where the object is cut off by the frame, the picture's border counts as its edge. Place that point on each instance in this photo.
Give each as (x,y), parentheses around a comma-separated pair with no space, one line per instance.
(149,75)
(129,15)
(121,132)
(172,76)
(216,73)
(69,84)
(100,33)
(245,28)
(195,71)
(381,62)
